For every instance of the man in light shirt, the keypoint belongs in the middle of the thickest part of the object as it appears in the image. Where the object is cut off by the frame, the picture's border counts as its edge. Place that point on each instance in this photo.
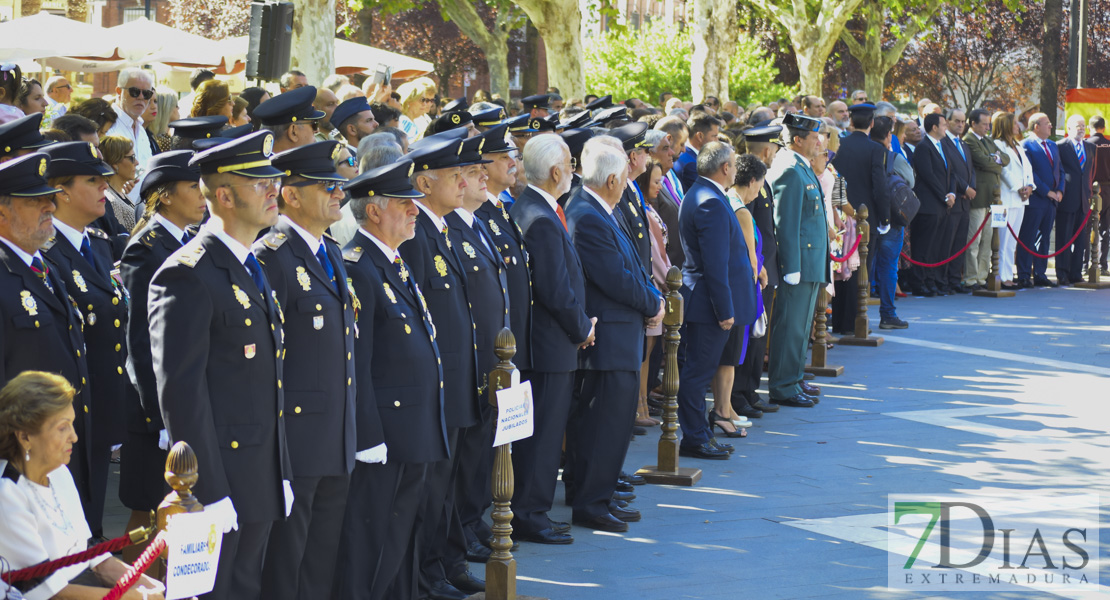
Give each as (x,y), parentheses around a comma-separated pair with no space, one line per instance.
(134,93)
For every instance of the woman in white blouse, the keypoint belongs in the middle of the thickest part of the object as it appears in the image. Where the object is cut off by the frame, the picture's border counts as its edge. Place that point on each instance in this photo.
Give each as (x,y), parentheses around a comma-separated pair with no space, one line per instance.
(1017,185)
(42,516)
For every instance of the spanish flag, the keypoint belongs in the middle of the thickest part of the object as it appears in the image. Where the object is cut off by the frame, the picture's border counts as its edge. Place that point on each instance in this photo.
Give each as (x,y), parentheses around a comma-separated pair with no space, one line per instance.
(1088,102)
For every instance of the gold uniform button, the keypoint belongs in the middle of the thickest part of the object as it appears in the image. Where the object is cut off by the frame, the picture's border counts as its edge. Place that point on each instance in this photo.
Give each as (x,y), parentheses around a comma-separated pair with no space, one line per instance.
(117,323)
(115,301)
(248,322)
(90,307)
(86,408)
(234,444)
(297,410)
(37,324)
(348,356)
(148,419)
(118,347)
(271,326)
(347,331)
(281,413)
(318,307)
(277,354)
(83,383)
(279,384)
(397,403)
(119,370)
(348,381)
(78,352)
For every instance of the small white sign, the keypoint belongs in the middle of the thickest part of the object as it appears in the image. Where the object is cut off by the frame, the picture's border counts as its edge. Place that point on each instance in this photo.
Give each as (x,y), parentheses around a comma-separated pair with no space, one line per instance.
(515,420)
(998,216)
(193,542)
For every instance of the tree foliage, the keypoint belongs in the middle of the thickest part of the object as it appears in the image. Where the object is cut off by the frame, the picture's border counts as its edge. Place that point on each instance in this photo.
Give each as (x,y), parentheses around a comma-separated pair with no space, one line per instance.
(656,59)
(422,32)
(213,19)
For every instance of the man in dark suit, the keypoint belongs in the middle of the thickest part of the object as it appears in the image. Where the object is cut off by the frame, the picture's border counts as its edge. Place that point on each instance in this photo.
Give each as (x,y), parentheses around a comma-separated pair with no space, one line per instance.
(434,260)
(40,330)
(703,129)
(954,237)
(1077,161)
(670,196)
(400,424)
(1048,179)
(618,287)
(803,239)
(216,337)
(1101,174)
(560,327)
(717,288)
(936,189)
(305,269)
(862,163)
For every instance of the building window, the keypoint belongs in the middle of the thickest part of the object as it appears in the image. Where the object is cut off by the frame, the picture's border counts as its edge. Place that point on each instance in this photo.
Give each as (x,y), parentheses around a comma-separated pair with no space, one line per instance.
(133,14)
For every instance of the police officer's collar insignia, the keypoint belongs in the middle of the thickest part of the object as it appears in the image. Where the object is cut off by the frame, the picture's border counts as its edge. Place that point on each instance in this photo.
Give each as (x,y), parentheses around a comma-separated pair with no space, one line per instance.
(191,257)
(389,292)
(49,243)
(352,255)
(274,240)
(93,231)
(28,302)
(241,297)
(441,265)
(303,280)
(79,281)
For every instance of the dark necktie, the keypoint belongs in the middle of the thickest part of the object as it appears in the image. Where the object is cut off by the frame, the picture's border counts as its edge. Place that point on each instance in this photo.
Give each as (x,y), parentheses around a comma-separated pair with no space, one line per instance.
(322,256)
(41,271)
(255,270)
(481,236)
(86,251)
(186,236)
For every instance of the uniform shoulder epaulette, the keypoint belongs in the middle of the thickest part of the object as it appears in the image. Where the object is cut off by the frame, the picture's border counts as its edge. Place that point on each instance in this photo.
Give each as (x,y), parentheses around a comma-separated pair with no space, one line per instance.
(148,238)
(330,237)
(274,240)
(189,257)
(194,229)
(96,232)
(49,243)
(352,254)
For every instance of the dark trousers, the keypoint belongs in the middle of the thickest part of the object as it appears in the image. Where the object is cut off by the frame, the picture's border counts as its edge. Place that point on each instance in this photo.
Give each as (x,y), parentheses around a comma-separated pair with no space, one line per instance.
(300,559)
(844,305)
(702,344)
(750,372)
(1104,229)
(793,316)
(1036,227)
(378,544)
(91,480)
(925,229)
(601,430)
(241,556)
(473,493)
(1069,264)
(441,533)
(956,236)
(537,458)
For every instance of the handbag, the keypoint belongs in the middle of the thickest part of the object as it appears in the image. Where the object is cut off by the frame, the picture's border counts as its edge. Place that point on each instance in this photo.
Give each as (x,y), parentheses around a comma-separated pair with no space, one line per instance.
(904,203)
(759,328)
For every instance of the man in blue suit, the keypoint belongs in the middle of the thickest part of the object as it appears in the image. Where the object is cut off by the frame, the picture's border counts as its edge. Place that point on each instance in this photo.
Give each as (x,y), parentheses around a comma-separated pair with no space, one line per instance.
(703,129)
(560,327)
(1076,160)
(618,287)
(1048,179)
(717,289)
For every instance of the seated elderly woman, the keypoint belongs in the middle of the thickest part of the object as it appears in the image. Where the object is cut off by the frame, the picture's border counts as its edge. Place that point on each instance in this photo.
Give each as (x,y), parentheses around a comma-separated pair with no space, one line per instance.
(43,520)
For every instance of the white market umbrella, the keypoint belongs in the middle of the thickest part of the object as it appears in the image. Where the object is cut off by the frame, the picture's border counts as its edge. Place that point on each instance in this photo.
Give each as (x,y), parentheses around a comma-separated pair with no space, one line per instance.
(45,36)
(350,57)
(142,42)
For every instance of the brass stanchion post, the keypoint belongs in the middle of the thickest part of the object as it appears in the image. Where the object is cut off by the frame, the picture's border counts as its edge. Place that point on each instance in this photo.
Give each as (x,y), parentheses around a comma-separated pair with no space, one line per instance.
(501,566)
(666,469)
(994,280)
(181,473)
(860,337)
(819,361)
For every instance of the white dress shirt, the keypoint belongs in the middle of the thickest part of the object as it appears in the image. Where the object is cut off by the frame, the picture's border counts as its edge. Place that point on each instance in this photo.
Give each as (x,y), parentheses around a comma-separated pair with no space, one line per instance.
(173,230)
(133,130)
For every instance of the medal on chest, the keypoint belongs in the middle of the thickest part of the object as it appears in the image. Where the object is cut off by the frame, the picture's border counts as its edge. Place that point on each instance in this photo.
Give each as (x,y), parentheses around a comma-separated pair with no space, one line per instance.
(469,250)
(441,265)
(241,296)
(303,280)
(28,302)
(79,281)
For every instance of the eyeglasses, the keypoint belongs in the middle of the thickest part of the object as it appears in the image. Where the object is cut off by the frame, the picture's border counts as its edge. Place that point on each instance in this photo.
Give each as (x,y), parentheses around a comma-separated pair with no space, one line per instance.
(350,160)
(132,158)
(63,87)
(260,186)
(427,100)
(135,92)
(329,186)
(573,163)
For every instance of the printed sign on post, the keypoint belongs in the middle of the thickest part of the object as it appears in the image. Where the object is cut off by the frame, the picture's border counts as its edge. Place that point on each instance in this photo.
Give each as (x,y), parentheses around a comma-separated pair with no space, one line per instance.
(514,414)
(193,544)
(998,216)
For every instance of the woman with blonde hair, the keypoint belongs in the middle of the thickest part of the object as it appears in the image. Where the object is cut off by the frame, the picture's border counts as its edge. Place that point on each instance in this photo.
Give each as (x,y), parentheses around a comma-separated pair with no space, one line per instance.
(119,153)
(213,98)
(417,99)
(167,112)
(1017,186)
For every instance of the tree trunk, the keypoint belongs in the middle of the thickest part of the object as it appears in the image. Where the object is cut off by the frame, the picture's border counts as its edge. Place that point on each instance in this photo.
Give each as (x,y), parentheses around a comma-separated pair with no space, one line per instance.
(1050,58)
(494,43)
(874,61)
(560,24)
(30,7)
(365,17)
(530,72)
(313,47)
(811,67)
(714,39)
(77,10)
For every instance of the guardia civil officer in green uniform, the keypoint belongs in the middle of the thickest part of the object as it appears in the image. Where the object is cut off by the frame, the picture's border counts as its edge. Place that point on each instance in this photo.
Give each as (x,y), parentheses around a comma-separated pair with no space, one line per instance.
(803,256)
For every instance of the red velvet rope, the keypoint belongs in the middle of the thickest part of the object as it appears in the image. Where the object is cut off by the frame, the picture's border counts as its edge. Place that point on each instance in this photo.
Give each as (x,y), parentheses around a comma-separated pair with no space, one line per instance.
(847,254)
(141,565)
(43,570)
(1078,232)
(954,256)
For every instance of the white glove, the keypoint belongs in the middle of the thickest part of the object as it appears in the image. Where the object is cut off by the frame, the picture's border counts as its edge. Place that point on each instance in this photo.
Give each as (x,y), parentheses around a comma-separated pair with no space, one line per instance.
(288,489)
(792,278)
(226,511)
(377,454)
(883,229)
(164,440)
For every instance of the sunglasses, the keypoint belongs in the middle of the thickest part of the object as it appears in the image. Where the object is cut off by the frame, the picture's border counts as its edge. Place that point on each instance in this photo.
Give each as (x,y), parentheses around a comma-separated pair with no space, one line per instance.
(135,92)
(350,160)
(329,186)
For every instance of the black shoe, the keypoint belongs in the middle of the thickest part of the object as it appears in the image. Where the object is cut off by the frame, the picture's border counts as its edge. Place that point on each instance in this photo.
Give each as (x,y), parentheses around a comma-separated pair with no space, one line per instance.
(750,412)
(624,486)
(468,583)
(1043,282)
(798,401)
(476,552)
(810,390)
(943,291)
(893,323)
(977,287)
(718,445)
(706,450)
(1024,284)
(637,430)
(625,496)
(959,289)
(632,478)
(814,399)
(765,407)
(654,411)
(605,522)
(620,503)
(653,403)
(1063,281)
(926,293)
(546,536)
(628,515)
(560,526)
(442,590)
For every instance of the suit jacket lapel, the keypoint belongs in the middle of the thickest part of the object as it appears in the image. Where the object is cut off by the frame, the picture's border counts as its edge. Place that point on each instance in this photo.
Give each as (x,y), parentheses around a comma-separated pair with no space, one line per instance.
(389,275)
(76,259)
(32,282)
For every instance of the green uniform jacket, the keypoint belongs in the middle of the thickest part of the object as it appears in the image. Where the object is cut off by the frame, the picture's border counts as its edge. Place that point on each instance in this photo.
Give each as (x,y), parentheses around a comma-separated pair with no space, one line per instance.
(800,224)
(987,172)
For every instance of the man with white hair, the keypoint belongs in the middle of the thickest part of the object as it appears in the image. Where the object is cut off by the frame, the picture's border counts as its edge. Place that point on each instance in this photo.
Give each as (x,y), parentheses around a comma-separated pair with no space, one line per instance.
(560,328)
(1076,161)
(134,93)
(618,286)
(58,93)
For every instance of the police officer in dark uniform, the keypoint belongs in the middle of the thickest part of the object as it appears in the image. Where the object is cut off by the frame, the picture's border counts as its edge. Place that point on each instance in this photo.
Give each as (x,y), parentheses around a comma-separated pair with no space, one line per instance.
(305,269)
(82,255)
(21,137)
(40,328)
(487,119)
(171,190)
(631,206)
(487,288)
(216,337)
(186,132)
(576,140)
(291,117)
(401,429)
(433,257)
